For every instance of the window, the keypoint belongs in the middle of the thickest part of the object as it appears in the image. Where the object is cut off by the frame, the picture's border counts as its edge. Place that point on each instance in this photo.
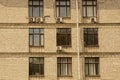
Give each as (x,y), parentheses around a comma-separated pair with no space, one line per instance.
(63,37)
(36,37)
(36,66)
(35,8)
(89,8)
(63,8)
(91,66)
(64,66)
(91,36)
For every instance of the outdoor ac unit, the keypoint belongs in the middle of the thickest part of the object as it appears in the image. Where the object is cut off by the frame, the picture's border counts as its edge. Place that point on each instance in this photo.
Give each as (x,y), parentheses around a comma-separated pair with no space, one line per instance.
(41,20)
(93,19)
(59,20)
(59,48)
(32,20)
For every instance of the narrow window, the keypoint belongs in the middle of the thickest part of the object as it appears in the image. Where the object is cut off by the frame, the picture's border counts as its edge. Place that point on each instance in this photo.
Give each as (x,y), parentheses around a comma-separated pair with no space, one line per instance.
(64,66)
(36,66)
(63,37)
(36,37)
(63,8)
(91,66)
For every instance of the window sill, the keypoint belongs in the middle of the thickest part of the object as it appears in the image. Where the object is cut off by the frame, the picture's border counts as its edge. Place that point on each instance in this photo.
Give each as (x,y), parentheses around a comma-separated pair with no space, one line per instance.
(65,46)
(65,17)
(65,76)
(36,46)
(91,46)
(92,76)
(89,17)
(36,75)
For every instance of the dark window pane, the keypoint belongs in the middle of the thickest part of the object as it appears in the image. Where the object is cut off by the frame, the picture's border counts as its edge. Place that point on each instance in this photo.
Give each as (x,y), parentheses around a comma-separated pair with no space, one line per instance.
(90,36)
(64,36)
(36,66)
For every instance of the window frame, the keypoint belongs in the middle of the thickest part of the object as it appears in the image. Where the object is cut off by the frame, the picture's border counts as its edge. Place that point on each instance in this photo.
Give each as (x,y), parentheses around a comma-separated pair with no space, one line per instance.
(86,10)
(33,65)
(66,6)
(97,66)
(40,6)
(68,35)
(68,64)
(39,34)
(94,34)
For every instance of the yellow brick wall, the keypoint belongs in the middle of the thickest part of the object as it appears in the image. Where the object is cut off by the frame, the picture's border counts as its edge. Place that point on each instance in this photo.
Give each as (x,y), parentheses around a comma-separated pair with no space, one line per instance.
(14,40)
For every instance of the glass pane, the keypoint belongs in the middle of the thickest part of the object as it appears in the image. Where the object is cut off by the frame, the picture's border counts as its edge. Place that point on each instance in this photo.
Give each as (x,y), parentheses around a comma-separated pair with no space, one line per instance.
(36,31)
(30,60)
(41,31)
(31,40)
(68,2)
(84,11)
(62,3)
(30,2)
(94,2)
(68,39)
(57,13)
(63,31)
(91,69)
(58,40)
(63,69)
(89,11)
(30,11)
(35,11)
(41,60)
(68,31)
(95,11)
(35,2)
(41,2)
(84,2)
(36,40)
(86,69)
(36,69)
(63,60)
(41,69)
(69,60)
(97,69)
(63,39)
(58,69)
(30,30)
(41,40)
(41,11)
(68,11)
(57,2)
(62,11)
(89,2)
(69,69)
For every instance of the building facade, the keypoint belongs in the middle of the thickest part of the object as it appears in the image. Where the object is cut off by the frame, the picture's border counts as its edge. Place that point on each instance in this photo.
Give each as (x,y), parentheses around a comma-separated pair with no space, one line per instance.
(38,40)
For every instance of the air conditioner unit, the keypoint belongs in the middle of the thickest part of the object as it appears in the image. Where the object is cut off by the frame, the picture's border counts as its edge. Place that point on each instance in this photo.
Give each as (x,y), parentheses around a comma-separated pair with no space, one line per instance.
(59,48)
(93,19)
(59,20)
(32,20)
(41,20)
